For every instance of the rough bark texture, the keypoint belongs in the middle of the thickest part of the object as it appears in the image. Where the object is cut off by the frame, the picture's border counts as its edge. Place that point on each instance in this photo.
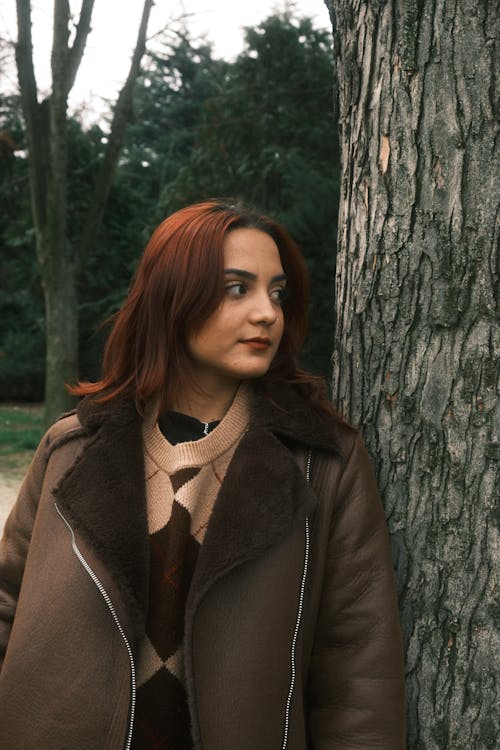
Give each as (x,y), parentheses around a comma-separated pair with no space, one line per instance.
(417,346)
(46,127)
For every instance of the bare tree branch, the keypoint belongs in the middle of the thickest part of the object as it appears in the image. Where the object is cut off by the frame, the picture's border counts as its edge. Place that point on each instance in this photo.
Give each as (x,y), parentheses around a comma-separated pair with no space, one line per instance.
(168,26)
(24,55)
(121,116)
(33,112)
(59,57)
(58,105)
(76,51)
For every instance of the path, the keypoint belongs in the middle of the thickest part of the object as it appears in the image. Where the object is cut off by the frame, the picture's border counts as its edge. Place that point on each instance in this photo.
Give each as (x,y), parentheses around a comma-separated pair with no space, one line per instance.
(9,487)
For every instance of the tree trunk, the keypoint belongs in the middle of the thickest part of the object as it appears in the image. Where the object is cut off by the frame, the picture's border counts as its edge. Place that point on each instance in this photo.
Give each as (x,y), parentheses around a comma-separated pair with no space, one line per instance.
(57,266)
(59,280)
(416,351)
(46,127)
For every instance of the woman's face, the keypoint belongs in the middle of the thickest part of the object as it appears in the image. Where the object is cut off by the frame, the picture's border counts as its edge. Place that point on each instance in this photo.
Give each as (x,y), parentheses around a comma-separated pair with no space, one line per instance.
(240,339)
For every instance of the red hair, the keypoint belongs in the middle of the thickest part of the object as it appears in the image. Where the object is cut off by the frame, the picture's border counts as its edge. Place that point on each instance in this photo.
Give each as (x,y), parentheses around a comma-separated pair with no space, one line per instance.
(178,284)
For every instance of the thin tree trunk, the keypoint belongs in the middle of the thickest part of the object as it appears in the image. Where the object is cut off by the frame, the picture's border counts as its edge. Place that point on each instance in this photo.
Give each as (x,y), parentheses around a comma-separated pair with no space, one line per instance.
(59,267)
(59,281)
(417,348)
(46,126)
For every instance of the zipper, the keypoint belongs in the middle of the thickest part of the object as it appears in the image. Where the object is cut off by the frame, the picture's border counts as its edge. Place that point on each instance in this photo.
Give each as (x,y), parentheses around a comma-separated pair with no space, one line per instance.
(293,668)
(109,604)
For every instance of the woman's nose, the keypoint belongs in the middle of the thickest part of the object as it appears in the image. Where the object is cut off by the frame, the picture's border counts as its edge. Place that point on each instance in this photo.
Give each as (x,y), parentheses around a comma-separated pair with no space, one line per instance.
(264,310)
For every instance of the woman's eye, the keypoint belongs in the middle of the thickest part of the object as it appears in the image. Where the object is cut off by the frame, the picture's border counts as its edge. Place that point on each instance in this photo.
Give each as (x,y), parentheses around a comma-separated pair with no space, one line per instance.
(236,289)
(279,294)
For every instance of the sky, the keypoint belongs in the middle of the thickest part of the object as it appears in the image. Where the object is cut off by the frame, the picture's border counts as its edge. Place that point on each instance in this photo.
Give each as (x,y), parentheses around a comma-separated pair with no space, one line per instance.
(114,29)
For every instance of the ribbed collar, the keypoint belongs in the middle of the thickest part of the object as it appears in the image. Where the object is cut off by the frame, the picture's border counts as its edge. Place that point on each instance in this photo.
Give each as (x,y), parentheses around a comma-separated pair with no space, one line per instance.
(172,458)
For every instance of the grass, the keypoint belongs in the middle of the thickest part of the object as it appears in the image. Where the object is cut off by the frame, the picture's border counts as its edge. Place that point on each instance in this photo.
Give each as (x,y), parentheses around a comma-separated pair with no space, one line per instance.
(21,427)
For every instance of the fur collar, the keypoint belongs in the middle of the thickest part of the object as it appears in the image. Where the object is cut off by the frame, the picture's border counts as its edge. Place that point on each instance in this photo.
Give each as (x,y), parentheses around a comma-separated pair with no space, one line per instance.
(103,492)
(282,411)
(103,496)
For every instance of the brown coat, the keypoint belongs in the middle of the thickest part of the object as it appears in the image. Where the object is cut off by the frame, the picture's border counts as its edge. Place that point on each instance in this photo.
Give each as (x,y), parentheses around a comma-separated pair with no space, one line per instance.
(291,635)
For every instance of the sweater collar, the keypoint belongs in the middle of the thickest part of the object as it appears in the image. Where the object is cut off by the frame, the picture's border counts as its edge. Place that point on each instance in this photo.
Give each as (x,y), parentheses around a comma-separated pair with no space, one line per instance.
(282,411)
(197,452)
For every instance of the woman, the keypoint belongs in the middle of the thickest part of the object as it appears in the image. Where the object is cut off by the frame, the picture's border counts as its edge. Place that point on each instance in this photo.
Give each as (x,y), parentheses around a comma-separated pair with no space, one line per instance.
(198,557)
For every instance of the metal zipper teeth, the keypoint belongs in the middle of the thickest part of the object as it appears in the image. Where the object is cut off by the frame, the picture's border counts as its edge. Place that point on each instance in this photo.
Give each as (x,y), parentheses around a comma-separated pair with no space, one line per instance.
(299,619)
(112,610)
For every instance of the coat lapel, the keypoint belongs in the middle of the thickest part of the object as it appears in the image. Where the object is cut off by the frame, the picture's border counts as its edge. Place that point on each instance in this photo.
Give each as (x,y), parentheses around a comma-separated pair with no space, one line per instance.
(264,494)
(103,497)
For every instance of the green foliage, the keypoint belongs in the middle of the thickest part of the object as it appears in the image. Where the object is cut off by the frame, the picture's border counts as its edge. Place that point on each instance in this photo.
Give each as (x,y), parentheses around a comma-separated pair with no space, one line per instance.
(107,272)
(21,304)
(270,109)
(169,99)
(20,433)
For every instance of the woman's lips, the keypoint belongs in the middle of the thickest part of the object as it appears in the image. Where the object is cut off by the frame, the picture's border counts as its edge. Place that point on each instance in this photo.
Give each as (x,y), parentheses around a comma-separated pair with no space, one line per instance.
(257,343)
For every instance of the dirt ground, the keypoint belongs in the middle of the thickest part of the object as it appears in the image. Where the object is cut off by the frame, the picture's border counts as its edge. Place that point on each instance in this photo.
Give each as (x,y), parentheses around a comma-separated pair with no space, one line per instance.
(9,487)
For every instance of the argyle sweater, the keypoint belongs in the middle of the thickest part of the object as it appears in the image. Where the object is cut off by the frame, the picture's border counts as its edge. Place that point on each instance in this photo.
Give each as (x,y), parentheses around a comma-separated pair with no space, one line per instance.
(182,483)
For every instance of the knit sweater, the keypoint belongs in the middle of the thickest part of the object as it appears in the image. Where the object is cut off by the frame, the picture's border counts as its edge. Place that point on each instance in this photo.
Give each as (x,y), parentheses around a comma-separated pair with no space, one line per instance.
(182,483)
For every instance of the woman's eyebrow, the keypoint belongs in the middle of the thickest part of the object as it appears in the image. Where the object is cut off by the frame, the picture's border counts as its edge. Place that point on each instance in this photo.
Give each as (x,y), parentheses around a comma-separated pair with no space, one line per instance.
(252,276)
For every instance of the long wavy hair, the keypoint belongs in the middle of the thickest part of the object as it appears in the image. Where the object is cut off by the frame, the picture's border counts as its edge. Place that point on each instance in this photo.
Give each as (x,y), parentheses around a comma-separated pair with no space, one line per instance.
(178,284)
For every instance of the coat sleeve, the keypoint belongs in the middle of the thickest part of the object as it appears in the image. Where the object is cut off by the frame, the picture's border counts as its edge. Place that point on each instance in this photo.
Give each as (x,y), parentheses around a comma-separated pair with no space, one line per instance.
(356,694)
(15,543)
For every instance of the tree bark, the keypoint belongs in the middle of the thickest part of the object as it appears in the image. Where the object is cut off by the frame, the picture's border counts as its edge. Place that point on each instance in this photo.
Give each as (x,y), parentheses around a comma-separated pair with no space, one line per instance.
(59,267)
(417,349)
(46,127)
(59,279)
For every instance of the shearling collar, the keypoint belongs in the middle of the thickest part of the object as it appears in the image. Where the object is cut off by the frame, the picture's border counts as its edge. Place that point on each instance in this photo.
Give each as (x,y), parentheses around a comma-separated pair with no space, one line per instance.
(286,413)
(282,411)
(263,495)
